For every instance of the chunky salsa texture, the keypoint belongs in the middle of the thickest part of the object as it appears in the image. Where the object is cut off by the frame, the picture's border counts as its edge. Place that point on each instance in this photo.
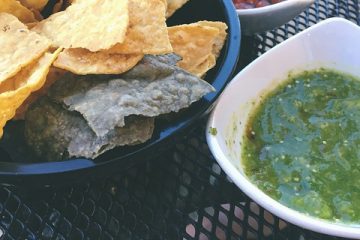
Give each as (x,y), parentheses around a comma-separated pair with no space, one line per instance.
(302,145)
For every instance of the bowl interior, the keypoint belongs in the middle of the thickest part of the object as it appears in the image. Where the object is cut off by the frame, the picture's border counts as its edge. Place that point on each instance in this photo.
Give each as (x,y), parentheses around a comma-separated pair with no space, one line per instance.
(331,44)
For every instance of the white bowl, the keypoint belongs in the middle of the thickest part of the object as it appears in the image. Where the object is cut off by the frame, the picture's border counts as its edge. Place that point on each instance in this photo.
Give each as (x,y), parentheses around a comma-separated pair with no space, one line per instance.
(269,17)
(333,43)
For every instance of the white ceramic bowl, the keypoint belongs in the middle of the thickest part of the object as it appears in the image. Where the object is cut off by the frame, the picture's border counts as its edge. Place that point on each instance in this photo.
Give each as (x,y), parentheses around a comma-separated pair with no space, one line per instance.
(333,43)
(269,17)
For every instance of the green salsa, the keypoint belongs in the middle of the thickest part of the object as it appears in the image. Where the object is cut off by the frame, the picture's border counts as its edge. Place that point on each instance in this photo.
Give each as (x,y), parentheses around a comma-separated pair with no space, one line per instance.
(302,145)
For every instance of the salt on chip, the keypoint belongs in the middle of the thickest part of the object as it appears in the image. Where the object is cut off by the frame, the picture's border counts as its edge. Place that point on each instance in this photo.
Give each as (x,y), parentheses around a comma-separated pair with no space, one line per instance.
(53,75)
(90,24)
(28,80)
(173,5)
(19,46)
(82,61)
(34,4)
(193,43)
(15,8)
(147,33)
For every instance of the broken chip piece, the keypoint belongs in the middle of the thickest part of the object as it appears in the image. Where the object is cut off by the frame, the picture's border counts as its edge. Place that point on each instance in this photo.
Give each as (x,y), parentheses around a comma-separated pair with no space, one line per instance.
(147,33)
(57,134)
(81,24)
(82,61)
(173,5)
(220,38)
(104,103)
(193,43)
(19,46)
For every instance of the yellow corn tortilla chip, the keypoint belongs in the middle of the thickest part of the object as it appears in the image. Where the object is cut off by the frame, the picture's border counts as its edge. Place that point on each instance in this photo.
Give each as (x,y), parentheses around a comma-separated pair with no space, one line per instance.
(193,43)
(53,75)
(147,33)
(19,46)
(201,69)
(82,61)
(28,80)
(173,5)
(35,4)
(221,37)
(15,8)
(165,4)
(90,24)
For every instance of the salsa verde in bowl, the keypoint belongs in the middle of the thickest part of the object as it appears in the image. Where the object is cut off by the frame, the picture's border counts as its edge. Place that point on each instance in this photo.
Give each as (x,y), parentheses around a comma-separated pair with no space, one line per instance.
(288,135)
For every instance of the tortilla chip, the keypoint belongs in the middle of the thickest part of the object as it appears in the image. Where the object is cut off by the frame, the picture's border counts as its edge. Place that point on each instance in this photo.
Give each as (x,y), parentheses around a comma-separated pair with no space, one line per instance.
(173,5)
(53,75)
(16,89)
(201,69)
(193,43)
(82,61)
(221,37)
(68,135)
(34,4)
(90,24)
(19,46)
(15,8)
(165,5)
(147,33)
(105,101)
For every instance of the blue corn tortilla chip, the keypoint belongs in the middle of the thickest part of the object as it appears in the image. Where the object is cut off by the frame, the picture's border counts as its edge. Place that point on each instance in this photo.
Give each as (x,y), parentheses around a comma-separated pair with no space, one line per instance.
(84,116)
(152,88)
(61,134)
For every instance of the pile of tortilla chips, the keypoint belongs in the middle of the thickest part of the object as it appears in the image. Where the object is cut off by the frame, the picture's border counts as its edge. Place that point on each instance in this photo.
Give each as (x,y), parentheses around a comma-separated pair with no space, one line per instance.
(91,37)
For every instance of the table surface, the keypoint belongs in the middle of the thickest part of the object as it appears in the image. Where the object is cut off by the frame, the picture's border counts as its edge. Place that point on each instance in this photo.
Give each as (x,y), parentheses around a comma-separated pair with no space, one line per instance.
(181,195)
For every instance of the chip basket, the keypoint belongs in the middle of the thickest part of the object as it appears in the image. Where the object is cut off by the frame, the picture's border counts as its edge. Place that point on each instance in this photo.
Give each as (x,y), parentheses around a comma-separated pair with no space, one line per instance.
(183,194)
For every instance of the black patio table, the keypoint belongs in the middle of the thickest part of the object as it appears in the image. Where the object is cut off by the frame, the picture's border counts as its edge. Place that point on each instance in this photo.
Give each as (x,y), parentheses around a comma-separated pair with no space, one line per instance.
(183,194)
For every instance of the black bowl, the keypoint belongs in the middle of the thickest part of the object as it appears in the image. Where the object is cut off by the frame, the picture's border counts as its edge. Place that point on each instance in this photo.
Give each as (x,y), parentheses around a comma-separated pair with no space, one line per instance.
(19,166)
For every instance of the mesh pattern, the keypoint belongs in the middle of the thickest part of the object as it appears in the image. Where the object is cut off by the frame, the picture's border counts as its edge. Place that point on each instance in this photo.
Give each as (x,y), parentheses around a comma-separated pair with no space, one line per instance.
(182,195)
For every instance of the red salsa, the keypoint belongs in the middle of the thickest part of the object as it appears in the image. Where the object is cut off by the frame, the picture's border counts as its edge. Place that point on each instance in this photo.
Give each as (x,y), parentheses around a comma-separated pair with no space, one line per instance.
(247,4)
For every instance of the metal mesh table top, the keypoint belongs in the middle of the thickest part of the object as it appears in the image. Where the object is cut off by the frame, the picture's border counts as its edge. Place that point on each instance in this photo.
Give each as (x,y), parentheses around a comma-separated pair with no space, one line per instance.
(181,195)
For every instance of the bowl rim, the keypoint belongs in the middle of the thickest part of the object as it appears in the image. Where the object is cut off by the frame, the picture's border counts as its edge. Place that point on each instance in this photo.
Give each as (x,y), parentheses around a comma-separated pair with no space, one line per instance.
(250,189)
(273,7)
